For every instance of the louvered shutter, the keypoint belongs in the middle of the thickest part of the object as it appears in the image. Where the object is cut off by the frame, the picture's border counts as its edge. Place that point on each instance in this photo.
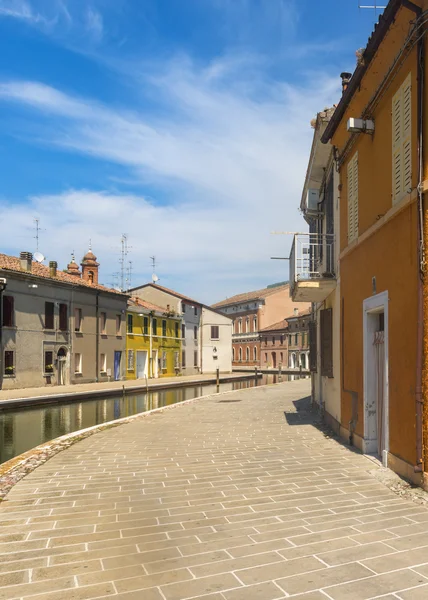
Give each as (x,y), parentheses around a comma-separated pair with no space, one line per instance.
(353,198)
(401,141)
(313,346)
(326,323)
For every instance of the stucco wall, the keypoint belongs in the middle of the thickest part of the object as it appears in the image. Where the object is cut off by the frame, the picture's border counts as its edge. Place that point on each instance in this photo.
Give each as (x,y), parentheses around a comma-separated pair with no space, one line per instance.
(221,358)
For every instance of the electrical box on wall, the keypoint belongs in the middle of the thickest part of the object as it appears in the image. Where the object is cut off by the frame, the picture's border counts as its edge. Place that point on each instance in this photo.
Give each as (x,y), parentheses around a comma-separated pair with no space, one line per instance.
(312,199)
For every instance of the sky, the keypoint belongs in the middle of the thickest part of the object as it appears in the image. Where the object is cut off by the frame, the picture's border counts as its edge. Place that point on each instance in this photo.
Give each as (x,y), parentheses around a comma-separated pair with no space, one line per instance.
(184,124)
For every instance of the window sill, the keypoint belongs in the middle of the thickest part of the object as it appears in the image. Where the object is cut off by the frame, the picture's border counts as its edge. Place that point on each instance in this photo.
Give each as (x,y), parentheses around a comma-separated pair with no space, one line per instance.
(9,376)
(78,374)
(119,337)
(48,374)
(79,333)
(9,327)
(215,339)
(103,373)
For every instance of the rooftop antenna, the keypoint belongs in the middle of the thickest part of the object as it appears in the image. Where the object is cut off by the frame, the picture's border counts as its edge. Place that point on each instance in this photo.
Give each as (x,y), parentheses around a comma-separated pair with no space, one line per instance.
(155,278)
(38,229)
(128,276)
(123,260)
(375,6)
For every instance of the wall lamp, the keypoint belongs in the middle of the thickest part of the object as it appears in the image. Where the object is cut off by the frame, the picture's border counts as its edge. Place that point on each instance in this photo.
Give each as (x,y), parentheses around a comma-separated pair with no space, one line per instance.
(360,126)
(33,285)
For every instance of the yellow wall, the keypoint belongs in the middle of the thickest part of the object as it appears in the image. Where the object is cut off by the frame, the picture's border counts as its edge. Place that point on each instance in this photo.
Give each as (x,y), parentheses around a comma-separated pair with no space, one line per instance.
(388,253)
(170,344)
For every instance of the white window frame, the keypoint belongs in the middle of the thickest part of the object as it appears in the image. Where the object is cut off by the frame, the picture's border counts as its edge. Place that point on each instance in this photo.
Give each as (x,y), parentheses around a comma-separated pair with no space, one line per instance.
(78,363)
(103,363)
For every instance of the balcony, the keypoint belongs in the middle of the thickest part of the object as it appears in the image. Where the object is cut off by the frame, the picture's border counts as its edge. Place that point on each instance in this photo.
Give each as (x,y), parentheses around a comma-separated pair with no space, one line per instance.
(312,267)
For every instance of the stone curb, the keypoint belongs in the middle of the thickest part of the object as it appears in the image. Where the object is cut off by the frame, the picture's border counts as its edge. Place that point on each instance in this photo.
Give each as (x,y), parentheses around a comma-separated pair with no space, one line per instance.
(18,467)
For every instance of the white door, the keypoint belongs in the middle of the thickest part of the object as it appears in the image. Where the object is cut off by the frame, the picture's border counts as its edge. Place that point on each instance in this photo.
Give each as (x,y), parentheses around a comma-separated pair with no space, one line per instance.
(141,364)
(379,352)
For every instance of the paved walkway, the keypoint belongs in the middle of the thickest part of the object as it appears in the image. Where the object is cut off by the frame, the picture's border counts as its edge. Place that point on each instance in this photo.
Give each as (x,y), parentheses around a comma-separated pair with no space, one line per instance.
(237,497)
(90,388)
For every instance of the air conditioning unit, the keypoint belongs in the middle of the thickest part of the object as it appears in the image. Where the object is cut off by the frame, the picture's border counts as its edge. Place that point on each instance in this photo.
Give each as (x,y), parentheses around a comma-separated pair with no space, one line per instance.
(312,199)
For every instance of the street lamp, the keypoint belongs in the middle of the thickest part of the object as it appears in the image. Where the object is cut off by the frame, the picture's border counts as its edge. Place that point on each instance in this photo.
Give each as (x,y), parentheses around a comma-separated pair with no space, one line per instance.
(3,285)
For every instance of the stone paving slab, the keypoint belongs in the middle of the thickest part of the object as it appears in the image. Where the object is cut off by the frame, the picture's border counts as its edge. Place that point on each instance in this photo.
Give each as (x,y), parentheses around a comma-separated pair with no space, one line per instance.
(245,499)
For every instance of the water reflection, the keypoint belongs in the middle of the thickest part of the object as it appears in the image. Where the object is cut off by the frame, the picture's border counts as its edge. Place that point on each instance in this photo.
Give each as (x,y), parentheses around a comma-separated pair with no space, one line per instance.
(26,428)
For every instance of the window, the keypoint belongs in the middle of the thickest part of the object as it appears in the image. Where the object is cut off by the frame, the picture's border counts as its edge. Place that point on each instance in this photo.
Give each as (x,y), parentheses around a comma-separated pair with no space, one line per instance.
(281,357)
(163,327)
(233,354)
(255,324)
(9,363)
(326,324)
(177,330)
(49,315)
(215,335)
(130,323)
(103,323)
(163,365)
(255,352)
(196,310)
(183,359)
(183,331)
(240,354)
(353,198)
(154,327)
(296,338)
(273,340)
(63,317)
(240,326)
(78,319)
(176,360)
(247,354)
(77,362)
(265,357)
(118,325)
(8,311)
(290,339)
(183,306)
(195,332)
(313,346)
(146,325)
(195,358)
(401,141)
(103,363)
(247,324)
(130,366)
(48,365)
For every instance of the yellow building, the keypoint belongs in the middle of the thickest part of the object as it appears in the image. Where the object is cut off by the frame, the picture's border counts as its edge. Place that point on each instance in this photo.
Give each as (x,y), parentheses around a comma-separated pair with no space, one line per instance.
(153,341)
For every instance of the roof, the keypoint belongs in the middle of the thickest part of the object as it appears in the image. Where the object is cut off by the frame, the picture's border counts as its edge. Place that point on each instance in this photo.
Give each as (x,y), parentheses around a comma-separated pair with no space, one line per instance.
(374,42)
(13,263)
(138,302)
(177,295)
(276,326)
(248,296)
(302,313)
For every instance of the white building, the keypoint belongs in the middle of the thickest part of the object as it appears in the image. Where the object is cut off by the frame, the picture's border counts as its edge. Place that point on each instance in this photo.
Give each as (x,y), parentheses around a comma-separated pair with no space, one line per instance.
(206,333)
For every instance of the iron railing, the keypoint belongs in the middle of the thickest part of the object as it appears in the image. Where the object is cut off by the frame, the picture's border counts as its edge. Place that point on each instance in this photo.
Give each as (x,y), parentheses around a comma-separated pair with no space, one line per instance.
(311,257)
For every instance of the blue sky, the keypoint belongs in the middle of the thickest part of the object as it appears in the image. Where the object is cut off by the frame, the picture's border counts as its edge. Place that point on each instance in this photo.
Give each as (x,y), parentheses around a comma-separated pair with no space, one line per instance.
(183,123)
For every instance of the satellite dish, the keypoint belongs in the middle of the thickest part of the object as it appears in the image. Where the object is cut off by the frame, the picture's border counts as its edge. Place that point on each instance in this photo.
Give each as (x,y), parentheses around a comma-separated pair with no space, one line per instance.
(38,257)
(155,278)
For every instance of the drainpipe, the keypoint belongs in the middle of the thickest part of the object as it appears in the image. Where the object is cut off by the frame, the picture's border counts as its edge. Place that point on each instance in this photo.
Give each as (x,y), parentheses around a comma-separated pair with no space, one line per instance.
(422,320)
(97,337)
(150,345)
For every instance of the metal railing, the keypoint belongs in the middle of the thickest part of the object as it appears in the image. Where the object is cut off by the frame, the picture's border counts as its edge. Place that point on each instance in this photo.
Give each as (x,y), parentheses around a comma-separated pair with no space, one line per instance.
(311,257)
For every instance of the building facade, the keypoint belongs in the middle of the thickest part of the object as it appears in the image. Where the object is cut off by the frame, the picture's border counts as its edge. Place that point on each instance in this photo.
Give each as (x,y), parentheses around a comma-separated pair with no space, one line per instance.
(250,313)
(206,334)
(153,341)
(274,346)
(59,328)
(298,340)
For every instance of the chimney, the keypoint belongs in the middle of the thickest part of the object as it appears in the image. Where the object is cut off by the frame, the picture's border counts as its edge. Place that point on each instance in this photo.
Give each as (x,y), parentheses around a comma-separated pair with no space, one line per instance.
(296,312)
(346,78)
(26,258)
(53,266)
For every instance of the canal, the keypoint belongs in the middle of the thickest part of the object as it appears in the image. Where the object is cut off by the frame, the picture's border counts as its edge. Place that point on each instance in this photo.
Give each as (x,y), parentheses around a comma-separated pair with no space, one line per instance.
(24,428)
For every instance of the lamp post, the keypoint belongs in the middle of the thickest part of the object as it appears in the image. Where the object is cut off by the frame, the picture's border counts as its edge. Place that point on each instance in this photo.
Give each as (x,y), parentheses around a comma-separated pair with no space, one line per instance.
(3,285)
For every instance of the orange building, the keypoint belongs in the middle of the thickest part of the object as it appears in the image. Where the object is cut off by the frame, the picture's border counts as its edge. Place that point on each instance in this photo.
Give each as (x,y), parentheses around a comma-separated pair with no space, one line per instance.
(378,133)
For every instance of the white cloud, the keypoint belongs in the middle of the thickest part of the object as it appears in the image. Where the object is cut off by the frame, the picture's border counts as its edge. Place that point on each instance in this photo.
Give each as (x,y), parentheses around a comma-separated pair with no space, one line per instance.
(229,151)
(94,23)
(20,9)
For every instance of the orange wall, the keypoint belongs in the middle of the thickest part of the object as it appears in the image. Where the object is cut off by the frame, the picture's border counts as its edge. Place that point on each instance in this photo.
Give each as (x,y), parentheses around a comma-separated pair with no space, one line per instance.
(389,254)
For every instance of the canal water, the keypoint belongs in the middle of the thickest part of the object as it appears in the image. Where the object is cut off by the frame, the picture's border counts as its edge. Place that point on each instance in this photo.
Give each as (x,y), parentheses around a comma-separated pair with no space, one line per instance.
(24,428)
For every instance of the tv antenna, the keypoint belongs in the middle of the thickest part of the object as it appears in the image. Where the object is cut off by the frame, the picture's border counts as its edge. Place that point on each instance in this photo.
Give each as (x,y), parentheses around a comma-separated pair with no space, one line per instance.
(123,260)
(128,276)
(155,278)
(375,6)
(38,230)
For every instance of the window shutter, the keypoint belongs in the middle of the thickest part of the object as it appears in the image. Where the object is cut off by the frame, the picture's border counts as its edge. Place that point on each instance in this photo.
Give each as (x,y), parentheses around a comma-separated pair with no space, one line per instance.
(353,198)
(313,346)
(401,141)
(326,316)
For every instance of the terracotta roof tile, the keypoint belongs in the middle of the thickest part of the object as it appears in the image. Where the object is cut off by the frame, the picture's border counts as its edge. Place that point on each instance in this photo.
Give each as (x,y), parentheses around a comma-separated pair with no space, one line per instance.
(249,296)
(12,263)
(144,304)
(276,326)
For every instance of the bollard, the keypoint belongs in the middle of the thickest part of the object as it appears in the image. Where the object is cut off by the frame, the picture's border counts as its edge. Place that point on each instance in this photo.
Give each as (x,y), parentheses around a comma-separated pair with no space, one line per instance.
(280,372)
(218,379)
(256,376)
(300,372)
(123,392)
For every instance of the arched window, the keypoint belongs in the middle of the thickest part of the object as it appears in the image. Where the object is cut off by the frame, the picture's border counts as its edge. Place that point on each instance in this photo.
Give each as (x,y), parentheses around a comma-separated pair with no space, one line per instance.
(247,354)
(240,354)
(233,354)
(255,352)
(240,326)
(255,324)
(247,324)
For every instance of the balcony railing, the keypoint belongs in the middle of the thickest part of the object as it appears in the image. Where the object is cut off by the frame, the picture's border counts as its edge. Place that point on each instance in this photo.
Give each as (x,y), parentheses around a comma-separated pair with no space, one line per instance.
(312,266)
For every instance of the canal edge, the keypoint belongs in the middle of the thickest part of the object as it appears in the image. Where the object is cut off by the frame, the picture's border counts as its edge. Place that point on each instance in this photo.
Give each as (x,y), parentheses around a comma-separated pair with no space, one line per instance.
(15,469)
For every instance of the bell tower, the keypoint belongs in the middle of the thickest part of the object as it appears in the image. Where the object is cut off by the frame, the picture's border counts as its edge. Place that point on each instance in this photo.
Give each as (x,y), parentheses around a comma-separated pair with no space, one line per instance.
(90,267)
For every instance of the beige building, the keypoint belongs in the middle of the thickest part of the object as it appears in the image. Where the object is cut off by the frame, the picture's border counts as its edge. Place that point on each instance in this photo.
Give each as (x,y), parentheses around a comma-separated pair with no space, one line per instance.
(59,327)
(206,334)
